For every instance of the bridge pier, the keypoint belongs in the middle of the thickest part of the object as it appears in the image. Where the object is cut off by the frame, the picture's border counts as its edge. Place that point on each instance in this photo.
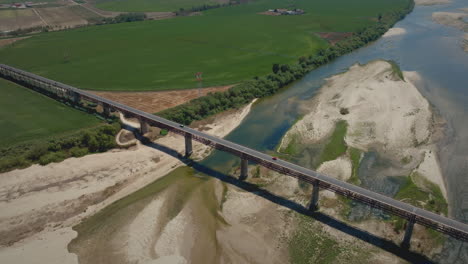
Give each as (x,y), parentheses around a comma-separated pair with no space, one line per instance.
(188,145)
(408,233)
(244,173)
(106,110)
(144,127)
(315,196)
(76,98)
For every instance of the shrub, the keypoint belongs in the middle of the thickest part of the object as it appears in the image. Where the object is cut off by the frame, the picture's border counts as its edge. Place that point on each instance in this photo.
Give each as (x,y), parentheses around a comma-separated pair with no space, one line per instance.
(344,111)
(78,152)
(52,157)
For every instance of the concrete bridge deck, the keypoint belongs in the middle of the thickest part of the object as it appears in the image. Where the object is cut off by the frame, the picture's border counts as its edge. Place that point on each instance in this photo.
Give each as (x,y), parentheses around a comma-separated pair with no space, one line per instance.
(411,213)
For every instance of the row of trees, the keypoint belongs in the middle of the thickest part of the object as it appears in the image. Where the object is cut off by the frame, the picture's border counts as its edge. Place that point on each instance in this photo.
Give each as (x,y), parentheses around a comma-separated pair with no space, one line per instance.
(185,12)
(281,75)
(93,140)
(123,18)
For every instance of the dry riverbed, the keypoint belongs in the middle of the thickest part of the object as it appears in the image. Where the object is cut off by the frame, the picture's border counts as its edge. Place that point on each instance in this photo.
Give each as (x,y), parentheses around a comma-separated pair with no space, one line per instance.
(377,111)
(455,20)
(40,204)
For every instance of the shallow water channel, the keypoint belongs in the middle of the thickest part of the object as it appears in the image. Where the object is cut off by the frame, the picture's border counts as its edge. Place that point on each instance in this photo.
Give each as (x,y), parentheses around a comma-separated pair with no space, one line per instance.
(434,51)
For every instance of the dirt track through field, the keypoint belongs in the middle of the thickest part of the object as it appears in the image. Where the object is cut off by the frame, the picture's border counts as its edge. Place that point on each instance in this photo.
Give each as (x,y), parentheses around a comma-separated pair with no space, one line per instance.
(153,102)
(37,13)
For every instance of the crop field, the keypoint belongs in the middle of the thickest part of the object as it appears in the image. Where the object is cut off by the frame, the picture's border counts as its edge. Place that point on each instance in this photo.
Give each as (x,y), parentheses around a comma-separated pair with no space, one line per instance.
(55,17)
(228,45)
(151,5)
(26,116)
(11,19)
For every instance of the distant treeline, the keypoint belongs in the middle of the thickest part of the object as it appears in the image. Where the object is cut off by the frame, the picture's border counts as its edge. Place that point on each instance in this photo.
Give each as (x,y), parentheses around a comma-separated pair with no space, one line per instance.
(122,18)
(281,75)
(24,31)
(184,12)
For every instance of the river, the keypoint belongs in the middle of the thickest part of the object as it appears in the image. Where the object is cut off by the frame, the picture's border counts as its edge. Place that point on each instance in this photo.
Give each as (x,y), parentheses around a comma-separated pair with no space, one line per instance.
(432,50)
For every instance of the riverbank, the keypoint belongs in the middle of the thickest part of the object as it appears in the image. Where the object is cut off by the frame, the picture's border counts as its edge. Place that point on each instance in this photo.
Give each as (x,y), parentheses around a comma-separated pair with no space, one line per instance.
(432,2)
(40,204)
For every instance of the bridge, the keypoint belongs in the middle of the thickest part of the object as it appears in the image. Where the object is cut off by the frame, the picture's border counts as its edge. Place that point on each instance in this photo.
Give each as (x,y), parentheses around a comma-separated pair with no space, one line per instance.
(412,214)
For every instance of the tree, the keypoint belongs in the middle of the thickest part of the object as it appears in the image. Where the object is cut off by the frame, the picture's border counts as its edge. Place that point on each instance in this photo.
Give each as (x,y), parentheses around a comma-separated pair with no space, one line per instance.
(276,68)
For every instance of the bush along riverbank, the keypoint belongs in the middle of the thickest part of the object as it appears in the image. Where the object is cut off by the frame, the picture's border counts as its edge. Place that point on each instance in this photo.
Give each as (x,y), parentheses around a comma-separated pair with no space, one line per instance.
(56,149)
(281,75)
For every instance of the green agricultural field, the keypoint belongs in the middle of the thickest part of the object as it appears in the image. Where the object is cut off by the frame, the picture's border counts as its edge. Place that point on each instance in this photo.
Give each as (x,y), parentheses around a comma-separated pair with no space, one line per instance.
(228,45)
(26,115)
(151,5)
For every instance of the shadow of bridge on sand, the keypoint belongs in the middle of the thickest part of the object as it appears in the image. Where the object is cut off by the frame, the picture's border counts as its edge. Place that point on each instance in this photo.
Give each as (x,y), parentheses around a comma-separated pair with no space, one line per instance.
(345,228)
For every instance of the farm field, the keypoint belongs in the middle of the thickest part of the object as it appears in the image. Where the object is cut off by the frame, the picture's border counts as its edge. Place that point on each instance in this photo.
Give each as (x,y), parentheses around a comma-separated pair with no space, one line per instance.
(228,45)
(54,17)
(29,116)
(11,19)
(153,102)
(151,5)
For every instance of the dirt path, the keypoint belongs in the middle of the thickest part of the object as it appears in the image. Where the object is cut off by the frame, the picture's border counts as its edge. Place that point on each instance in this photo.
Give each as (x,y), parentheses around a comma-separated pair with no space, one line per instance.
(153,102)
(42,19)
(92,10)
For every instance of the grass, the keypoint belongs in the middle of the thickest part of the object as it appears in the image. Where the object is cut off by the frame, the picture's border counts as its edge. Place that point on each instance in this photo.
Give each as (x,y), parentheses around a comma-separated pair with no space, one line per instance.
(336,145)
(355,156)
(292,148)
(396,69)
(150,5)
(26,115)
(311,245)
(428,197)
(228,45)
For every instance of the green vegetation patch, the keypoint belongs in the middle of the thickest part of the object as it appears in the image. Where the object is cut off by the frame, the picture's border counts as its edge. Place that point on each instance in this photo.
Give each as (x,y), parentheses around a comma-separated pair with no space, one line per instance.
(309,244)
(26,115)
(355,156)
(396,70)
(228,45)
(38,129)
(336,145)
(292,148)
(428,197)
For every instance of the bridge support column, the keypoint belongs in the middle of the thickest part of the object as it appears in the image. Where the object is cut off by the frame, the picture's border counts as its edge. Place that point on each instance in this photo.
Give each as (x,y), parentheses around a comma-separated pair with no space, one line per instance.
(76,98)
(408,233)
(244,173)
(315,196)
(144,127)
(106,110)
(188,145)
